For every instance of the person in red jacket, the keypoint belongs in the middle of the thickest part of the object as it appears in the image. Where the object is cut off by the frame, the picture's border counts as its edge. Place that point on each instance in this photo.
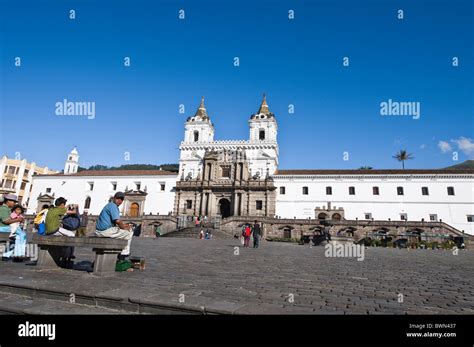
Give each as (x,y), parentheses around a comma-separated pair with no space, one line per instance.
(247,232)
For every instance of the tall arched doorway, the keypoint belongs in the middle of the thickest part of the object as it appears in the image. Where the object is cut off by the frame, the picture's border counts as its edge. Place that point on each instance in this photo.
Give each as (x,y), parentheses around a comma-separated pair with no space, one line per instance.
(224,207)
(134,210)
(336,216)
(322,216)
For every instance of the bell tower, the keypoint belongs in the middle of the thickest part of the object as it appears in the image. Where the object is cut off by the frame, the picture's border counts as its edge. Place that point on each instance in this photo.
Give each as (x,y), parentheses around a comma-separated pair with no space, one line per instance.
(263,125)
(72,163)
(199,128)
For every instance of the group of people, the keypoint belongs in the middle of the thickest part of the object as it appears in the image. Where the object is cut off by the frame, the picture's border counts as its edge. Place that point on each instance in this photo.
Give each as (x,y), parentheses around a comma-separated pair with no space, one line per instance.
(199,221)
(11,221)
(254,231)
(205,235)
(62,219)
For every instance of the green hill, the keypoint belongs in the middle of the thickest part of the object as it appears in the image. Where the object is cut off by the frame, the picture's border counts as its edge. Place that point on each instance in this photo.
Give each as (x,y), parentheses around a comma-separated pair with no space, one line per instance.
(468,164)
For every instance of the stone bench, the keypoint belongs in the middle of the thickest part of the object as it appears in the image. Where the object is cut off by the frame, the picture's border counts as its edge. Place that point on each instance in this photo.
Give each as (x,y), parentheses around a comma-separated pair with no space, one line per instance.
(106,250)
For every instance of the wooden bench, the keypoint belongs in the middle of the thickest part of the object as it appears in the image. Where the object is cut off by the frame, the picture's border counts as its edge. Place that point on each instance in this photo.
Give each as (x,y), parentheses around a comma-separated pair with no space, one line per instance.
(106,250)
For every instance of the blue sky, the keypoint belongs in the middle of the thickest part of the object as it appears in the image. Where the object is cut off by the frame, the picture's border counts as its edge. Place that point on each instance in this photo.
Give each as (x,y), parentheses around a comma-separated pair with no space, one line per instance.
(299,62)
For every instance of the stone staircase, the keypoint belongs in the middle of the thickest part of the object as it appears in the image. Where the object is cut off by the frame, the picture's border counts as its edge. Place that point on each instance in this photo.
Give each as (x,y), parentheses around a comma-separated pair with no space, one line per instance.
(193,232)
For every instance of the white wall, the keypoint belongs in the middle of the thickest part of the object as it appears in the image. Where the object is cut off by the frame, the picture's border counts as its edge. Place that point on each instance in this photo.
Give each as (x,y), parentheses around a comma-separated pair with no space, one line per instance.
(451,209)
(75,190)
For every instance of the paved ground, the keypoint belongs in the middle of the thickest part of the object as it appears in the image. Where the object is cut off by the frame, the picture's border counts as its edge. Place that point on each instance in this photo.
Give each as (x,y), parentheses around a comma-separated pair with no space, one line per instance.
(276,278)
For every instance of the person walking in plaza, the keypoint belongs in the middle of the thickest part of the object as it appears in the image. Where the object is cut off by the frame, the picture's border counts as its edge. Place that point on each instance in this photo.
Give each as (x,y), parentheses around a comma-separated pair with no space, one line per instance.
(257,234)
(246,234)
(109,224)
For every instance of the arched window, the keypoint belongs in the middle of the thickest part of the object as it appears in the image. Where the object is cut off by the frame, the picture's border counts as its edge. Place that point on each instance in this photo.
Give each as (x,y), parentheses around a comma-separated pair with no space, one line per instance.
(322,216)
(336,216)
(87,203)
(196,136)
(261,135)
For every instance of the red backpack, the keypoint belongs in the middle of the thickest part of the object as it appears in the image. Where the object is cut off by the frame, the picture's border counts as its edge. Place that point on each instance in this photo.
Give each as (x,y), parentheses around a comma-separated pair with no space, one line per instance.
(247,231)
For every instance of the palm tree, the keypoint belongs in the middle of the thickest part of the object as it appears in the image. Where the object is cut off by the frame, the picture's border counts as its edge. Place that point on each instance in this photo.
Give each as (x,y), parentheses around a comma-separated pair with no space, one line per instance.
(402,156)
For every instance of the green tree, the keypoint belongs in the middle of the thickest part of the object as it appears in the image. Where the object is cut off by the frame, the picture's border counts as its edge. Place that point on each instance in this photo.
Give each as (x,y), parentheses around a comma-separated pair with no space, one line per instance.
(403,155)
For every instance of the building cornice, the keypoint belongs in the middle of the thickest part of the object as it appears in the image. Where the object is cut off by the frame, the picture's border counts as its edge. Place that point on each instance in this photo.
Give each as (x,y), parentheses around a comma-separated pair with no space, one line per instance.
(233,144)
(379,177)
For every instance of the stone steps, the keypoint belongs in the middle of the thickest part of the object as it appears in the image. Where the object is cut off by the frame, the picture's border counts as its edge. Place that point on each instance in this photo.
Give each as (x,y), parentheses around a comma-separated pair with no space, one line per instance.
(28,300)
(194,233)
(21,304)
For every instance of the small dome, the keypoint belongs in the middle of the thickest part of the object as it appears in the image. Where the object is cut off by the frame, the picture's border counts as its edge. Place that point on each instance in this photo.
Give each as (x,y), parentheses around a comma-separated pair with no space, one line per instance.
(201,113)
(264,111)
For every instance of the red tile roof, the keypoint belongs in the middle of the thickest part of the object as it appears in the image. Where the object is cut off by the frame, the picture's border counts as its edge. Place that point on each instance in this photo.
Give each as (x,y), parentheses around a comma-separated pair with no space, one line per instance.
(117,173)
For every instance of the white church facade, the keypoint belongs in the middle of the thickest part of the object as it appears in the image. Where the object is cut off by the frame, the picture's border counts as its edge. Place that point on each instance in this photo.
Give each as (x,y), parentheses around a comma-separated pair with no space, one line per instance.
(241,178)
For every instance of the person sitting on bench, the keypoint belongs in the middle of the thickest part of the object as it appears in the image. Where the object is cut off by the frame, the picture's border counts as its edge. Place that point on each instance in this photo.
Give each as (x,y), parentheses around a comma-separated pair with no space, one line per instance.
(54,217)
(54,226)
(109,224)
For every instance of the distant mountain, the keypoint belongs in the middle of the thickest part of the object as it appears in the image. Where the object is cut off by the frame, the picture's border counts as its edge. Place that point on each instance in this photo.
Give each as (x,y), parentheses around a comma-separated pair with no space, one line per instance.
(164,167)
(468,164)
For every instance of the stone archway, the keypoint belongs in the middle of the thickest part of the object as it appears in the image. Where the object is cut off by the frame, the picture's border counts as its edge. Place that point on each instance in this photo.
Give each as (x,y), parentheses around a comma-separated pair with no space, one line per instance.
(336,216)
(224,208)
(322,216)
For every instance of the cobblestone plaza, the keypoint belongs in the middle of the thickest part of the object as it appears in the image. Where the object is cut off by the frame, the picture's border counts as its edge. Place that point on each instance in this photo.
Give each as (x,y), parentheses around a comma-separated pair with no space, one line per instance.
(219,276)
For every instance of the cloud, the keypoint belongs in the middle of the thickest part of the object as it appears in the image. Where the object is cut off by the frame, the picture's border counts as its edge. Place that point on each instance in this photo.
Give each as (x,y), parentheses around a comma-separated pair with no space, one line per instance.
(465,144)
(423,146)
(444,146)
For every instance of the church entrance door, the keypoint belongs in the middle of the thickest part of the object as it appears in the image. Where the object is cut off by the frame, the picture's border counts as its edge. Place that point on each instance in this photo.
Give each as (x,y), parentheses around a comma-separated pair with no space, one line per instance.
(134,209)
(224,207)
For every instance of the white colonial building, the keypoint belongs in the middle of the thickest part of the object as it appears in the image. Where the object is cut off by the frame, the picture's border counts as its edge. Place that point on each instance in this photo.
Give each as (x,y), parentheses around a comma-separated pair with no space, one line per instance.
(429,195)
(146,191)
(241,178)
